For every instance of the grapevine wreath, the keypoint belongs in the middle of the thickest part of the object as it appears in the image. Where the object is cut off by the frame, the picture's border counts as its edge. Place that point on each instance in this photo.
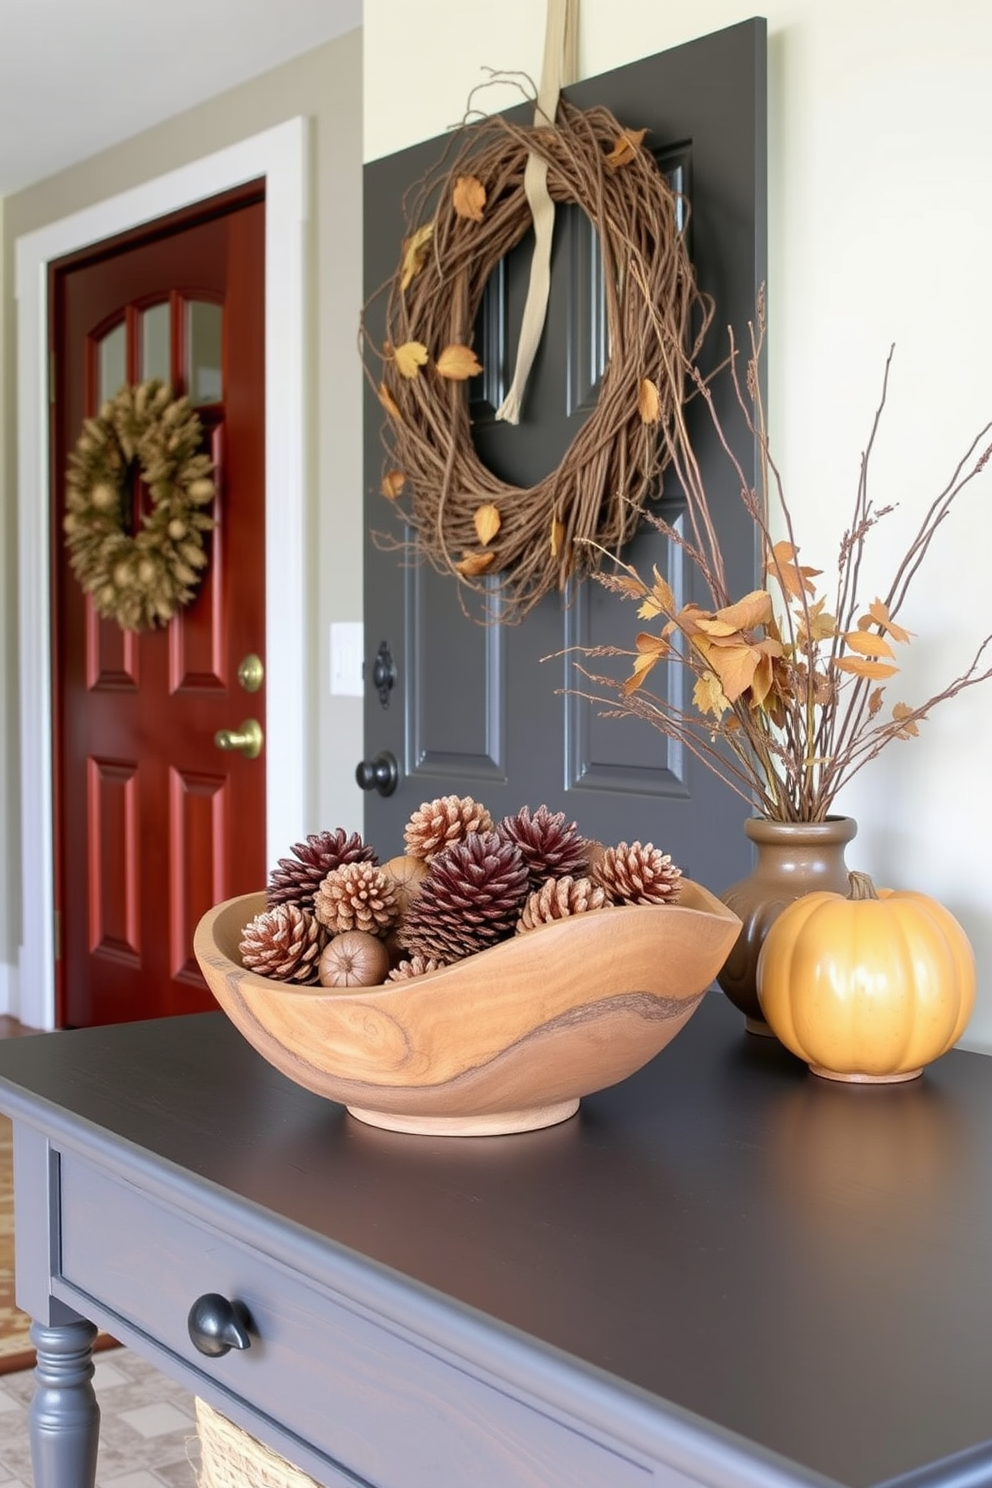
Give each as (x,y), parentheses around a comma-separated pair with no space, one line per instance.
(469,211)
(139,580)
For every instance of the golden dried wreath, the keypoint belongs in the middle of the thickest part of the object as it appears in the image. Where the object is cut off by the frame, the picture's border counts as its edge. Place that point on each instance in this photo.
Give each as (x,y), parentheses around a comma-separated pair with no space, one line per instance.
(139,579)
(522,543)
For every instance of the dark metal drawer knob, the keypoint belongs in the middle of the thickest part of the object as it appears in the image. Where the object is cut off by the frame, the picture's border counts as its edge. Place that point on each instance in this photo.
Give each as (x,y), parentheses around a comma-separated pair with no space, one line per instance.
(381,773)
(217,1325)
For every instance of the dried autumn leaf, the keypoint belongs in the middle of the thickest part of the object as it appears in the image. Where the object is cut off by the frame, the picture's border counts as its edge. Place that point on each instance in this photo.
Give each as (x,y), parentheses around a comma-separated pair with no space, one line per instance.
(660,600)
(794,580)
(867,644)
(860,666)
(469,198)
(735,666)
(409,358)
(651,650)
(878,614)
(648,401)
(487,522)
(822,625)
(392,484)
(709,696)
(389,403)
(909,730)
(557,536)
(415,254)
(754,609)
(626,146)
(473,564)
(875,702)
(458,363)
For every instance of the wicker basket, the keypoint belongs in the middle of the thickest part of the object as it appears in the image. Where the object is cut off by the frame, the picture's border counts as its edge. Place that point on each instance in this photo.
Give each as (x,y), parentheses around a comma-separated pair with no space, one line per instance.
(230,1458)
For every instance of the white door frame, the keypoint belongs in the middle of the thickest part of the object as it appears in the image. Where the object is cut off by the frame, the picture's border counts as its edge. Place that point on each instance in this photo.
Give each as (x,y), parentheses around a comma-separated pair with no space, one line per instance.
(280,156)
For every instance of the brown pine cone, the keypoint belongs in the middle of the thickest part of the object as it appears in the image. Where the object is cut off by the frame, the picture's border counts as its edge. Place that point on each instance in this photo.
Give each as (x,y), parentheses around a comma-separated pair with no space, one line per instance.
(296,881)
(437,824)
(414,967)
(284,943)
(470,899)
(636,874)
(557,898)
(549,847)
(356,896)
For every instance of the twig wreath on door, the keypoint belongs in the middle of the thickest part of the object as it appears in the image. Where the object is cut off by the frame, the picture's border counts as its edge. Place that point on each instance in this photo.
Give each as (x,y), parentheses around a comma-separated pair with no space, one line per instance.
(139,579)
(516,544)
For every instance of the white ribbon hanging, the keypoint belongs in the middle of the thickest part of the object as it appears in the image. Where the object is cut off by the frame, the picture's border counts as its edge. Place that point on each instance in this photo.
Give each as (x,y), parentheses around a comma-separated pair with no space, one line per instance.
(558,69)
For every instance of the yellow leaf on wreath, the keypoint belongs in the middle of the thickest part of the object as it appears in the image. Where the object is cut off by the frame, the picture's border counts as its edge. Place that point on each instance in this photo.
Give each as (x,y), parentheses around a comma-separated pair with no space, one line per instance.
(865,643)
(389,403)
(860,666)
(557,535)
(469,198)
(415,254)
(392,484)
(909,730)
(626,146)
(409,358)
(648,402)
(709,696)
(487,523)
(473,564)
(458,363)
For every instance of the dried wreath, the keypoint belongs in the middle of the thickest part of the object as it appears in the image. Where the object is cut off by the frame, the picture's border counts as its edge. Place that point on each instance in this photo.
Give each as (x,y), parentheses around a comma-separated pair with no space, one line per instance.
(139,580)
(466,216)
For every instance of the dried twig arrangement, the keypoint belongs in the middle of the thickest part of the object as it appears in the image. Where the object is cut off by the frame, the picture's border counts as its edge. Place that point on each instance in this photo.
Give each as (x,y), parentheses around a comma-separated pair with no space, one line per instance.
(517,544)
(789,698)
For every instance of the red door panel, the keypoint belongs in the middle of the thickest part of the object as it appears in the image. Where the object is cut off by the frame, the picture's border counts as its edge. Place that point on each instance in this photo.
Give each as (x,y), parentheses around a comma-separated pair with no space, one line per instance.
(153,822)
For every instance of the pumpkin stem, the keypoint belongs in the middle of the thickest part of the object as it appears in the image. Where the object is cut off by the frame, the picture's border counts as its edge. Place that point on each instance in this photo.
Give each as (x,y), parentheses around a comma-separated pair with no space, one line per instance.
(861,886)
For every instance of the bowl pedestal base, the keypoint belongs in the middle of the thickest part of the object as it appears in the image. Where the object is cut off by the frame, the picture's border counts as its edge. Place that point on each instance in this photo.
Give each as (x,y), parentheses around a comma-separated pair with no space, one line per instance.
(490,1124)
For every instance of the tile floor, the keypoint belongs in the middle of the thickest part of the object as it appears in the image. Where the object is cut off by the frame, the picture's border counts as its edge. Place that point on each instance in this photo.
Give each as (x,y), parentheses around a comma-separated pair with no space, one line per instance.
(147,1428)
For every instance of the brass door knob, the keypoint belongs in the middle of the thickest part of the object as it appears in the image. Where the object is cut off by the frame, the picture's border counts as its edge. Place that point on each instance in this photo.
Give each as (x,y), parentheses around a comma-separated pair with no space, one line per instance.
(247,740)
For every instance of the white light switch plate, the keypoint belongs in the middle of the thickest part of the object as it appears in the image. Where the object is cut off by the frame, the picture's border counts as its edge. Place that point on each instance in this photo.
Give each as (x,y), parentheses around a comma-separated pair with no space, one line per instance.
(347,658)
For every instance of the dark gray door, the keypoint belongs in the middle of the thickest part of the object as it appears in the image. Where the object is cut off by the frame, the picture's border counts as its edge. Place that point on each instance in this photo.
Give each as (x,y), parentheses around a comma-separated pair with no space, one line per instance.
(474,709)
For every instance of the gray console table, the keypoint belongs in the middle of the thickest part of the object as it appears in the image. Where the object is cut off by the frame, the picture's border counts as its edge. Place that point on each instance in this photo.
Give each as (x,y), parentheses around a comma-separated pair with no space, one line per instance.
(723,1271)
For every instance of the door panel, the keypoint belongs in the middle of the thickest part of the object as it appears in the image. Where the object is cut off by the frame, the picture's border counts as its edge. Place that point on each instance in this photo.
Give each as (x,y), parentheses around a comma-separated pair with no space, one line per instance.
(154,823)
(476,709)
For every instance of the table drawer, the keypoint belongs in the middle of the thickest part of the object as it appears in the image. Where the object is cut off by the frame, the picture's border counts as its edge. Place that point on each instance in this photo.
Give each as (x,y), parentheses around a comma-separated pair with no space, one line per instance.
(365,1392)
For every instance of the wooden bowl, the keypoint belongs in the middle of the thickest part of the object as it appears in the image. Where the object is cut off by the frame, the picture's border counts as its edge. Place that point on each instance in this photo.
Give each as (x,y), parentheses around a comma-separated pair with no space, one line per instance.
(507,1040)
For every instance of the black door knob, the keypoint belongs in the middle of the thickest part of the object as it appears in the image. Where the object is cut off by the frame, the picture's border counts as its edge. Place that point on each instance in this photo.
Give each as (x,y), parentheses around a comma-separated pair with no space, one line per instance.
(216,1325)
(380,773)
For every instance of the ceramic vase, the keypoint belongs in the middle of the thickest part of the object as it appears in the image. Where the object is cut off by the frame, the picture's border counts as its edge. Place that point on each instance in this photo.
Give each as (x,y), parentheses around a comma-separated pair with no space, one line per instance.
(792,858)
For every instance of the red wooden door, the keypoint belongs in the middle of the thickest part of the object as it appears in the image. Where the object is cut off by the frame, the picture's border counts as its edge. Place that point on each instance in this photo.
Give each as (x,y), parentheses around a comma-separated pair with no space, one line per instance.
(153,822)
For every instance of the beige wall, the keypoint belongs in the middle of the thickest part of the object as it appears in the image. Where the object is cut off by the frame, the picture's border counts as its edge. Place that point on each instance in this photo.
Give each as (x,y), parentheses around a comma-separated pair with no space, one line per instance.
(880,141)
(324,85)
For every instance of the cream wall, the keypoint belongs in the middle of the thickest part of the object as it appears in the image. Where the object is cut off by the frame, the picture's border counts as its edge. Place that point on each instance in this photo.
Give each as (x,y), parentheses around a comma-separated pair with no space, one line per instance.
(324,85)
(880,143)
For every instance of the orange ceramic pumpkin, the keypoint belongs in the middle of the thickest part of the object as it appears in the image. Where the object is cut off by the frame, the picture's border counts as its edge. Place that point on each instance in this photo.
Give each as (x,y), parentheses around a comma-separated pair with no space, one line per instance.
(870,987)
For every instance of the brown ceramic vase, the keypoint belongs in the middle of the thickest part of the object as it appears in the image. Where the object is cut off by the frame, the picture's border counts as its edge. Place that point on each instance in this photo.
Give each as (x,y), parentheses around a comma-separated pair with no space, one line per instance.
(793,858)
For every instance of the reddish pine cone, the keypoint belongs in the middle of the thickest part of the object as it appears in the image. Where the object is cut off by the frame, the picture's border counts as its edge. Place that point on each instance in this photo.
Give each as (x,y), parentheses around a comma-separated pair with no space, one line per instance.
(438,824)
(356,896)
(414,967)
(550,847)
(284,943)
(636,874)
(296,881)
(557,898)
(470,899)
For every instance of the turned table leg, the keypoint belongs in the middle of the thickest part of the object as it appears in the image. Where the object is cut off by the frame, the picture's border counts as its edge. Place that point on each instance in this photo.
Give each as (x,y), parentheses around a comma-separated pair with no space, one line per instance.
(64,1418)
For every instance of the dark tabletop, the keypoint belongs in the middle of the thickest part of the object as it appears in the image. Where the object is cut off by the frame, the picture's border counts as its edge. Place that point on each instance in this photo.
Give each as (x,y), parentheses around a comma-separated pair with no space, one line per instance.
(805,1263)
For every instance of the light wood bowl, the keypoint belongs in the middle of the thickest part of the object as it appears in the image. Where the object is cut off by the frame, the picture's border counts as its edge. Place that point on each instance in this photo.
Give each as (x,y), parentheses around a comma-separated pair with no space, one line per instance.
(507,1040)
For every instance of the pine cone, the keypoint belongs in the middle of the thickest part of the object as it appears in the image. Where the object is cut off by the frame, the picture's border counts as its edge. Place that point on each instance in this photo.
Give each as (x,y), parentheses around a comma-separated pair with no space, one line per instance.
(414,967)
(548,847)
(356,896)
(557,898)
(437,824)
(297,881)
(636,874)
(284,943)
(470,899)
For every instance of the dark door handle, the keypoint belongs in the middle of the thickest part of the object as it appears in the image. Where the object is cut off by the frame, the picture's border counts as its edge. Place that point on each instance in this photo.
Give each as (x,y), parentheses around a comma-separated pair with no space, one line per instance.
(381,773)
(216,1325)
